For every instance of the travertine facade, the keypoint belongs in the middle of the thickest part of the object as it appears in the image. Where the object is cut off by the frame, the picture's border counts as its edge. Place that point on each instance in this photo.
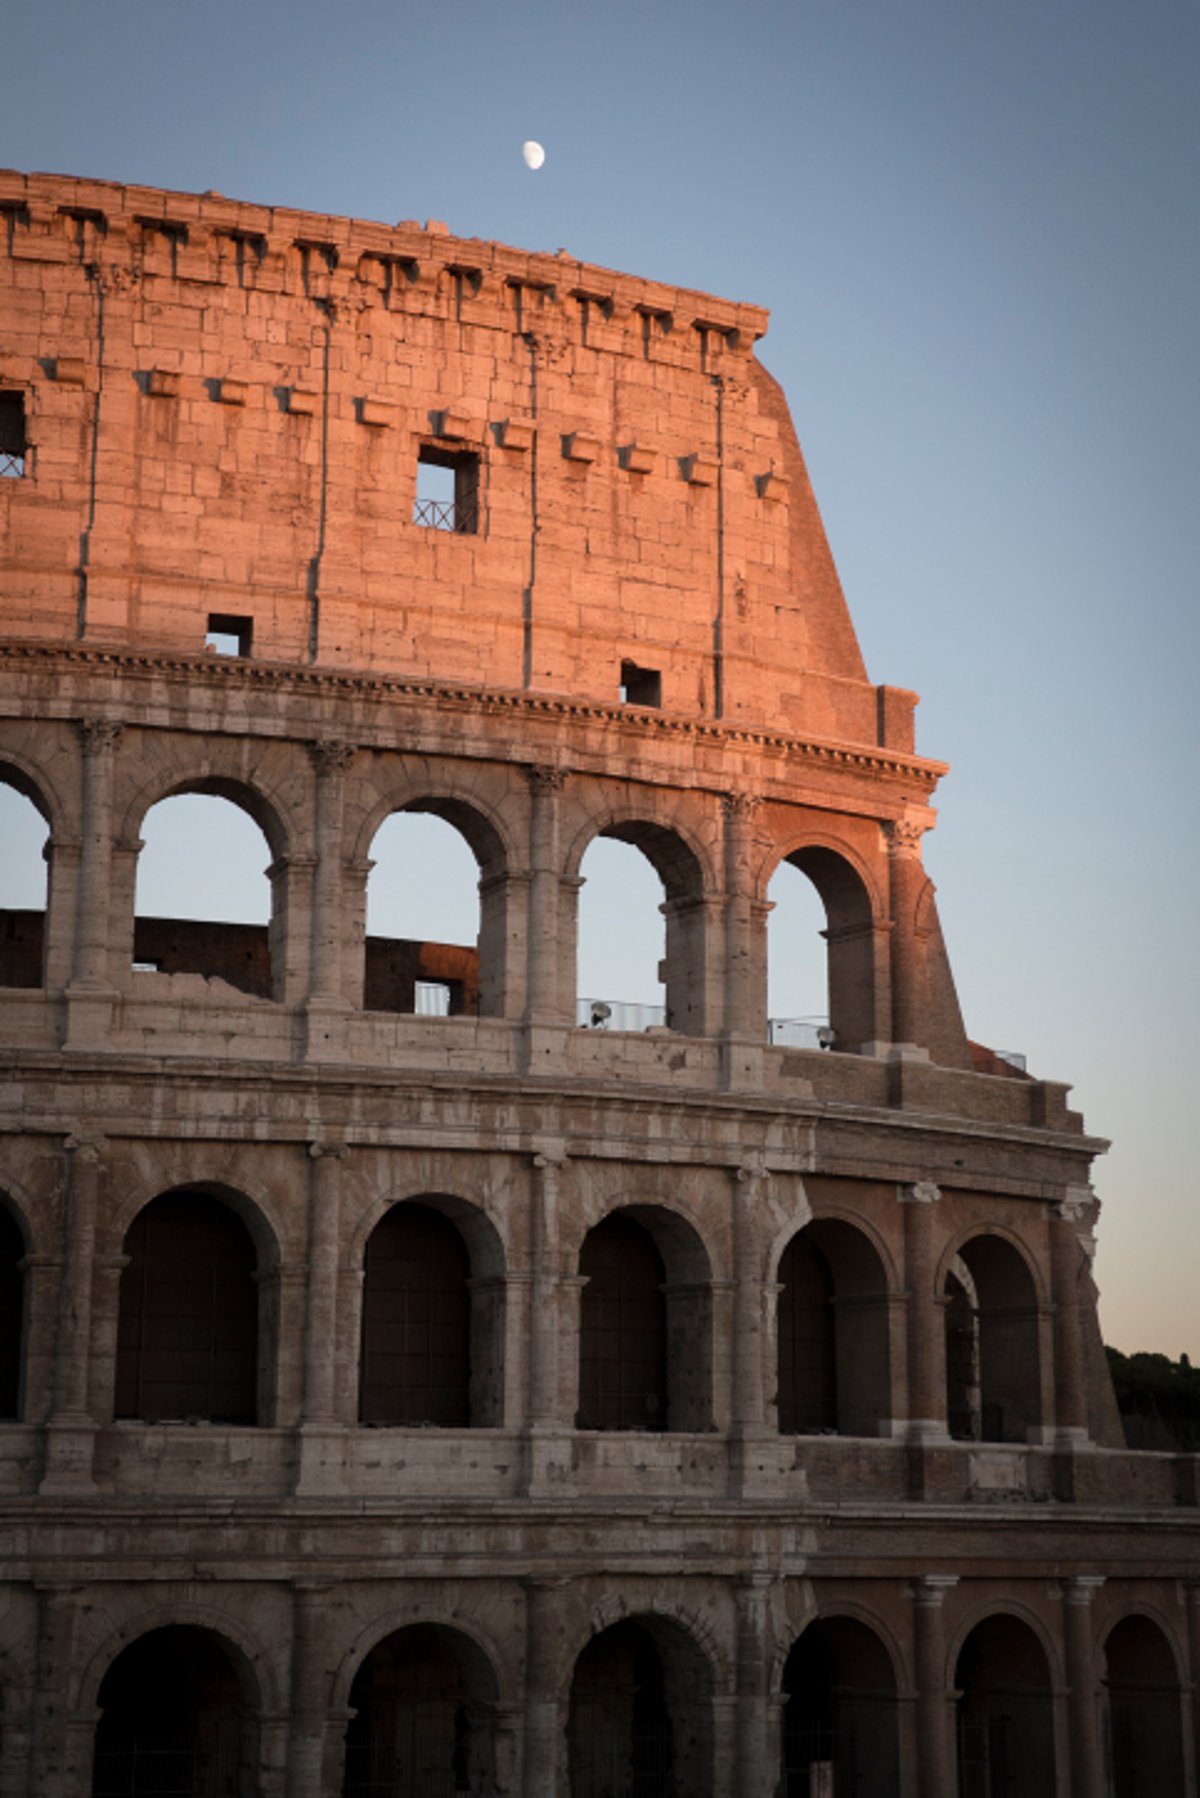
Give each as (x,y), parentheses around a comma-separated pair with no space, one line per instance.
(575,1410)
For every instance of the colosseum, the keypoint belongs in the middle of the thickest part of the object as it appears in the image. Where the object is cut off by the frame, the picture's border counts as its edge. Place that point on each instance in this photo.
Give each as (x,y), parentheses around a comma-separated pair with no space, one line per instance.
(417,1380)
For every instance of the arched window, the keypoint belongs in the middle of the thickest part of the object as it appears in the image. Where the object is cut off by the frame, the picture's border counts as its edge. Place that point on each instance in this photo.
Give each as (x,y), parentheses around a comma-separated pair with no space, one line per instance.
(992,1362)
(23,831)
(840,984)
(640,954)
(1144,1718)
(841,1712)
(623,1329)
(645,1342)
(1005,1715)
(203,894)
(187,1341)
(175,1718)
(640,1719)
(416,1321)
(832,1333)
(12,1308)
(425,943)
(424,1705)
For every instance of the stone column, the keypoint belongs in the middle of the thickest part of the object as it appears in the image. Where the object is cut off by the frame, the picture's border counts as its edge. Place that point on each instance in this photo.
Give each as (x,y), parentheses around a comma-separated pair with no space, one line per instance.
(330,759)
(926,1348)
(543,973)
(543,1723)
(548,1433)
(748,1399)
(740,811)
(310,1691)
(1191,1589)
(935,1756)
(906,879)
(1087,1766)
(99,738)
(61,1752)
(90,994)
(319,1465)
(70,1427)
(753,1735)
(1066,1256)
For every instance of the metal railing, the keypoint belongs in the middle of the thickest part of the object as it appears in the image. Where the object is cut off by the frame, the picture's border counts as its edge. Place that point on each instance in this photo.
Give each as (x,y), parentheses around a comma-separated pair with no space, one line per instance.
(458,516)
(143,1771)
(796,1033)
(618,1014)
(11,466)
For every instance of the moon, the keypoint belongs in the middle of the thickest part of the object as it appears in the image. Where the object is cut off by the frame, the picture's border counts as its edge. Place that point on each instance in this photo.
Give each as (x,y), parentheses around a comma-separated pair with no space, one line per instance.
(534,154)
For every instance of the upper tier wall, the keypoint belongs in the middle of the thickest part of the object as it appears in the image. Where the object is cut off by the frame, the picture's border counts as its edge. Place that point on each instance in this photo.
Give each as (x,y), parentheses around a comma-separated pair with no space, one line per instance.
(225,407)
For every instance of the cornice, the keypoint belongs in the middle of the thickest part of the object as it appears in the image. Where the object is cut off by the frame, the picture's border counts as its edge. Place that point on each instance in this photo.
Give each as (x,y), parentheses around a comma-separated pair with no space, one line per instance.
(360,685)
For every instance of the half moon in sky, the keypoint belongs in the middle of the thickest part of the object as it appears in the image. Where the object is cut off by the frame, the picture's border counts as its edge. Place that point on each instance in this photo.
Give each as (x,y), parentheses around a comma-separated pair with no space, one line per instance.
(534,154)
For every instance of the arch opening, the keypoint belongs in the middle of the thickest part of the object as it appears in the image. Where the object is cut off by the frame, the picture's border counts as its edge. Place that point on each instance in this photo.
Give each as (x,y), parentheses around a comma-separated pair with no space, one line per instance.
(645,1338)
(23,882)
(424,1703)
(993,1381)
(840,1720)
(432,1343)
(1005,1722)
(12,1313)
(177,1716)
(833,986)
(436,920)
(204,899)
(1143,1734)
(640,1717)
(640,945)
(188,1332)
(832,1339)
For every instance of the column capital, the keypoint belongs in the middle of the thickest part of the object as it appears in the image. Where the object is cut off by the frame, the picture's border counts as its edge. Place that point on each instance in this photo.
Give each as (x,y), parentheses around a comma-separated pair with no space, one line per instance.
(903,838)
(544,778)
(752,1168)
(98,735)
(330,755)
(929,1589)
(335,1151)
(922,1192)
(86,1146)
(1081,1588)
(740,807)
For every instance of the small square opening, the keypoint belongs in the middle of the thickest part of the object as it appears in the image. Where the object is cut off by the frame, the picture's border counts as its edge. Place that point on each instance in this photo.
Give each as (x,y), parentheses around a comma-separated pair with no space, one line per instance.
(229,634)
(14,446)
(447,490)
(640,686)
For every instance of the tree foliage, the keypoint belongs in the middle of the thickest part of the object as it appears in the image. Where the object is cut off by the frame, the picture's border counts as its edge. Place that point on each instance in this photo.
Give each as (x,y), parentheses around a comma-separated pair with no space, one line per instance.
(1159,1400)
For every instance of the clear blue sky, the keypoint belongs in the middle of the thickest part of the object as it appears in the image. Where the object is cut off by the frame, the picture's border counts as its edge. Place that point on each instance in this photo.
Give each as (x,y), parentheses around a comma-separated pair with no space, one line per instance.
(975,224)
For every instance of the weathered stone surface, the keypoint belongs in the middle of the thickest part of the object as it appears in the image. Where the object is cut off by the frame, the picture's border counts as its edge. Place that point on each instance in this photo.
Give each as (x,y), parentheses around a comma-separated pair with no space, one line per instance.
(938,1446)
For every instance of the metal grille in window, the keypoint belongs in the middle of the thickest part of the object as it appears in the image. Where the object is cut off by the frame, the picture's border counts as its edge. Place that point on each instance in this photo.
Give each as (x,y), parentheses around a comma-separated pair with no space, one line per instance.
(447,491)
(13,447)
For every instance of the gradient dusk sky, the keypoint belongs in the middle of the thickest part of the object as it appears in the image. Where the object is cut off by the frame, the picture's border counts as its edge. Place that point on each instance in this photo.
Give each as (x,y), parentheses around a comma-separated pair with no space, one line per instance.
(976,224)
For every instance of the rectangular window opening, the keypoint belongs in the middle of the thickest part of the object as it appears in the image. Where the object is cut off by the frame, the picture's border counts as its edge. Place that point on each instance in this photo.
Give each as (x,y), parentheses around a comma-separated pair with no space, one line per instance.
(229,634)
(640,686)
(14,446)
(447,490)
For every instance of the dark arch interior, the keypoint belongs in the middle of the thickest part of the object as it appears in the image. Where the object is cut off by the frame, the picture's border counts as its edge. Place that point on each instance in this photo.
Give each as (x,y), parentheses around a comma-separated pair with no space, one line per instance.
(623,1329)
(1005,1721)
(833,1361)
(639,1723)
(12,1292)
(416,1328)
(992,1362)
(1144,1723)
(187,1340)
(424,1717)
(174,1720)
(840,1712)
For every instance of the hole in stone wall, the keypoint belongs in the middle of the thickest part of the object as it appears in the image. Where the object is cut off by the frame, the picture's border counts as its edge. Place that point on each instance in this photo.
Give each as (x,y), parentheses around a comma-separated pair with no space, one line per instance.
(14,448)
(229,634)
(447,490)
(640,686)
